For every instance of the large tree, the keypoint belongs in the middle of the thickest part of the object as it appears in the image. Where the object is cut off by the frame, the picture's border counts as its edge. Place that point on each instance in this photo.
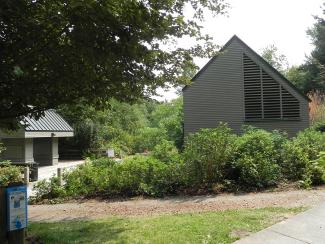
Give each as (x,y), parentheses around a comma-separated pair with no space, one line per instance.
(314,68)
(54,52)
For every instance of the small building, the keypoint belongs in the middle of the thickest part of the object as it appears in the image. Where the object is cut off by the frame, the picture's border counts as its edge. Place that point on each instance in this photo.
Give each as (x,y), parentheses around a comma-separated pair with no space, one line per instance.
(36,141)
(239,87)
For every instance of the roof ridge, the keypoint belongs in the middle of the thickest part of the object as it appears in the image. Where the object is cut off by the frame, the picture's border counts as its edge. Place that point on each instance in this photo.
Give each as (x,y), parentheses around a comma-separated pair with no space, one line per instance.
(235,37)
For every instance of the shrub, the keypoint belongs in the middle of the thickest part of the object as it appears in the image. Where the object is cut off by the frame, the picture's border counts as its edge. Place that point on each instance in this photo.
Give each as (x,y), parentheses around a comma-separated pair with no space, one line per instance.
(102,162)
(320,126)
(166,152)
(48,189)
(311,142)
(88,179)
(315,172)
(142,175)
(139,175)
(256,159)
(298,153)
(208,154)
(294,161)
(9,174)
(148,138)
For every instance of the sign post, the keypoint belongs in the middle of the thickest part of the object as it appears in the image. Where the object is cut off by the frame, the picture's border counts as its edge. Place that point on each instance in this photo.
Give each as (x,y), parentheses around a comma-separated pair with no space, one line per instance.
(14,221)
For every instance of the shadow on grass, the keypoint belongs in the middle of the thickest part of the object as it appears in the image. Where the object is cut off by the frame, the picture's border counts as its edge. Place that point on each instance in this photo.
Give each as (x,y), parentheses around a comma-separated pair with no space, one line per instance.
(80,231)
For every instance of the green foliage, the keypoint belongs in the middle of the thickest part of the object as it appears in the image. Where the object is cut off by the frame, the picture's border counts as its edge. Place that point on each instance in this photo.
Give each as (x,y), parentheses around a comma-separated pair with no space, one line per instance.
(48,189)
(166,151)
(169,117)
(311,141)
(88,179)
(272,56)
(299,77)
(128,128)
(310,76)
(145,176)
(314,172)
(137,175)
(299,155)
(208,153)
(115,52)
(148,138)
(256,159)
(9,174)
(318,169)
(294,161)
(213,159)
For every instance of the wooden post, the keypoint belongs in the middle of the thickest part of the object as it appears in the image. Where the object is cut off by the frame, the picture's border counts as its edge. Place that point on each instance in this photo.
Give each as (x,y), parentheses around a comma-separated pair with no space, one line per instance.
(26,175)
(60,176)
(3,216)
(16,237)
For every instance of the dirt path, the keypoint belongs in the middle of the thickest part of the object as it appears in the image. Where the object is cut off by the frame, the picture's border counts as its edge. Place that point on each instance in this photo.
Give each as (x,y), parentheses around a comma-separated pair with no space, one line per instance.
(96,209)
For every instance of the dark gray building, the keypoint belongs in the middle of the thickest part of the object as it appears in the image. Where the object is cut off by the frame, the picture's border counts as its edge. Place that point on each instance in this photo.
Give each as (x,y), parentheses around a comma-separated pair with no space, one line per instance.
(240,88)
(36,141)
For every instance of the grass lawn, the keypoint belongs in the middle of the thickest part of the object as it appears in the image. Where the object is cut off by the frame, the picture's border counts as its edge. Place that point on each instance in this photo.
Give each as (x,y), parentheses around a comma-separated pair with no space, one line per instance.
(208,227)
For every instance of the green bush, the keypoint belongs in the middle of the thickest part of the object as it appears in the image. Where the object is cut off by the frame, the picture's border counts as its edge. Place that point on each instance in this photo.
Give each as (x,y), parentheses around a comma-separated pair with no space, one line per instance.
(48,189)
(320,126)
(299,154)
(311,142)
(148,138)
(139,175)
(294,160)
(9,174)
(102,162)
(315,172)
(166,152)
(256,159)
(142,175)
(208,154)
(212,158)
(87,179)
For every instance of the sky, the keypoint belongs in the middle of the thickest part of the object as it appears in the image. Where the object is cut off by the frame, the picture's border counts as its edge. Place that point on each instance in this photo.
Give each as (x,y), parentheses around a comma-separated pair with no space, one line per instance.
(260,23)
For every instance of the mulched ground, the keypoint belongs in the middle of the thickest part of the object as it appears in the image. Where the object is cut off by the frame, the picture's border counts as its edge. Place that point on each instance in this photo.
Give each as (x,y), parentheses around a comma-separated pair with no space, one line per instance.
(98,208)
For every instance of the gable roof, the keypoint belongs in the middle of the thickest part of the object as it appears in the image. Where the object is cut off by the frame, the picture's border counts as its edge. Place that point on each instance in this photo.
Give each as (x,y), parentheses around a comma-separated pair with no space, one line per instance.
(257,56)
(50,122)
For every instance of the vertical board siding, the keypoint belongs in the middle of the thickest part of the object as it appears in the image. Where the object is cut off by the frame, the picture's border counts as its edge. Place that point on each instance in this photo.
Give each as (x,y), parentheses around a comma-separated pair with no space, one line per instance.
(217,95)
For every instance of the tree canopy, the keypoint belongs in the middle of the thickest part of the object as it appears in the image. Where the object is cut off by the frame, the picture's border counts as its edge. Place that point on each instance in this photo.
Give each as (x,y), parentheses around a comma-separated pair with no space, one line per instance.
(272,55)
(314,69)
(55,52)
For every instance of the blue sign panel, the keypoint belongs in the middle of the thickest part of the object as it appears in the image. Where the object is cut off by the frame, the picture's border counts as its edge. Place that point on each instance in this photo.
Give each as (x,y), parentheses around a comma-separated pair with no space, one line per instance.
(16,207)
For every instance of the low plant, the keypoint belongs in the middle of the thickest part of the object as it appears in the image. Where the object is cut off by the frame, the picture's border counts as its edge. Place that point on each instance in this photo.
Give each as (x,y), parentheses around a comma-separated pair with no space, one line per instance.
(141,175)
(166,152)
(256,159)
(88,179)
(315,172)
(208,154)
(311,142)
(294,161)
(9,174)
(48,190)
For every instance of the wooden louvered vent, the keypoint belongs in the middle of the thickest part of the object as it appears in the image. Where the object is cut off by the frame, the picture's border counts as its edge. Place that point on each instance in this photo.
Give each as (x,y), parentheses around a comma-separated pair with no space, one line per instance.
(264,97)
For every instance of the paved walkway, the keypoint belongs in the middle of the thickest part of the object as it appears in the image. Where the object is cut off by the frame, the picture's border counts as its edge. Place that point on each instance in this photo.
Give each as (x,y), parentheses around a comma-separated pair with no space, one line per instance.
(307,227)
(46,172)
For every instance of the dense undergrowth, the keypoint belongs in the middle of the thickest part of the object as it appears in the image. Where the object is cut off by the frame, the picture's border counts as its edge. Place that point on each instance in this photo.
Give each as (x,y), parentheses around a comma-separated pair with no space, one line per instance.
(211,159)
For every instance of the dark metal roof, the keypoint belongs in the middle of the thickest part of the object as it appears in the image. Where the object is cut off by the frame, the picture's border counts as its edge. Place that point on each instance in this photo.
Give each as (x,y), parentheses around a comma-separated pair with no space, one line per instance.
(51,121)
(262,60)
